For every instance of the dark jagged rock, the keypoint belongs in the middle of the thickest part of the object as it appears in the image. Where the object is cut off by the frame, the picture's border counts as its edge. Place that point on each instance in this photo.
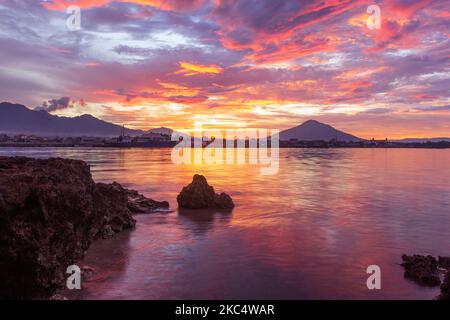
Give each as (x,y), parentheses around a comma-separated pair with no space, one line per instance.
(111,211)
(422,269)
(58,297)
(445,288)
(138,203)
(50,212)
(200,195)
(223,201)
(197,195)
(444,262)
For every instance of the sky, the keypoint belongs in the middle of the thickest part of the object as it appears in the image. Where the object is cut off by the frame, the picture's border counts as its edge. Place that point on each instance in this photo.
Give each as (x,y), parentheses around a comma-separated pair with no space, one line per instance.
(233,64)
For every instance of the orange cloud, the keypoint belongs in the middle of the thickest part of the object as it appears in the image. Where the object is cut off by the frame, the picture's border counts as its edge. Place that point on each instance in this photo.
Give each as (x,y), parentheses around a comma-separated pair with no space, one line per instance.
(291,51)
(424,96)
(190,69)
(360,73)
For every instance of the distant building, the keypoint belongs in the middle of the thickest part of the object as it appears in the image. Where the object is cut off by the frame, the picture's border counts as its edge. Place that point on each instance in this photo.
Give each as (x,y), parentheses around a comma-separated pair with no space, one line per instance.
(152,136)
(4,138)
(125,139)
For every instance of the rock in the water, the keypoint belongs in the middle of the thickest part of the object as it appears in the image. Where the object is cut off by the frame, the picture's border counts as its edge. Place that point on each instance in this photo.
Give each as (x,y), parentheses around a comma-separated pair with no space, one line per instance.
(444,263)
(50,212)
(138,203)
(87,272)
(223,201)
(58,297)
(422,269)
(200,195)
(445,288)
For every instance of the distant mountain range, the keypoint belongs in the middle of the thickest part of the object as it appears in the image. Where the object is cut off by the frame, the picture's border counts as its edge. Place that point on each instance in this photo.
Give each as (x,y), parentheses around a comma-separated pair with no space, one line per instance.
(18,119)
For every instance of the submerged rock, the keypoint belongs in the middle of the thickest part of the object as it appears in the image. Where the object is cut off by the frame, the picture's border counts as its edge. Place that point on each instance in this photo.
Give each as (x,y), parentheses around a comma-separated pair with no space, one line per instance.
(58,297)
(50,212)
(422,269)
(200,195)
(138,203)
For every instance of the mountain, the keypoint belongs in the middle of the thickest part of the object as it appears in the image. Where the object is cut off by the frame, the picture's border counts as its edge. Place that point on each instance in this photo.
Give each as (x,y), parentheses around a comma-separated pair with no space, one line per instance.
(18,119)
(315,130)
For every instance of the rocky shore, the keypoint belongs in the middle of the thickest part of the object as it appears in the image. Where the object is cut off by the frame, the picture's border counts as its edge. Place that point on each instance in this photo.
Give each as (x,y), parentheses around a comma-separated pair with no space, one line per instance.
(50,212)
(427,271)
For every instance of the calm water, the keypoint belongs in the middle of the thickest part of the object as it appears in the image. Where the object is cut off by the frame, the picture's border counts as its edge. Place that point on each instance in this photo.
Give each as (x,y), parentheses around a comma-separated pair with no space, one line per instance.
(308,232)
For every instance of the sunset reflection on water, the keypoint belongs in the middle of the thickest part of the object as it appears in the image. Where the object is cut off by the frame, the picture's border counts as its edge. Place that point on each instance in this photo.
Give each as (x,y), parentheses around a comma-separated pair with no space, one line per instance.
(308,232)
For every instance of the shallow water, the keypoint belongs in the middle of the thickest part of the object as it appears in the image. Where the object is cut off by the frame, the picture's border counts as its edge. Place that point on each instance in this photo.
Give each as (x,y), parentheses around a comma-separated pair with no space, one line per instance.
(308,232)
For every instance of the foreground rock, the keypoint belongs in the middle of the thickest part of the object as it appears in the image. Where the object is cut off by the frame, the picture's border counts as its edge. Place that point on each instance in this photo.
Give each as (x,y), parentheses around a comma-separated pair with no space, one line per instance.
(200,195)
(445,287)
(425,270)
(111,213)
(422,269)
(50,212)
(444,262)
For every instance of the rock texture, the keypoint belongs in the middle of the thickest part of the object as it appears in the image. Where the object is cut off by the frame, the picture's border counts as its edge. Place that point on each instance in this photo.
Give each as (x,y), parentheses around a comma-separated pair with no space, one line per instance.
(425,270)
(444,262)
(111,213)
(137,203)
(200,195)
(445,287)
(50,212)
(422,269)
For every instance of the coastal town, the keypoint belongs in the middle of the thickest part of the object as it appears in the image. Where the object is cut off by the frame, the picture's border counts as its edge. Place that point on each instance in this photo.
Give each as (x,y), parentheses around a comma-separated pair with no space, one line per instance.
(161,140)
(150,139)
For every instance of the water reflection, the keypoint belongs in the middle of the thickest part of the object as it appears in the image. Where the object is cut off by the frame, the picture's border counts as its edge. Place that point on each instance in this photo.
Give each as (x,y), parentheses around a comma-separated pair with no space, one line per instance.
(201,221)
(109,260)
(308,232)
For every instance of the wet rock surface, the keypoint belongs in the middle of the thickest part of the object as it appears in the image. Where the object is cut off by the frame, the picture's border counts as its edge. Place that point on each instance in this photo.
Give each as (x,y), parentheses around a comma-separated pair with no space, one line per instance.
(427,270)
(139,204)
(444,262)
(422,269)
(200,195)
(50,212)
(445,287)
(87,272)
(111,213)
(58,297)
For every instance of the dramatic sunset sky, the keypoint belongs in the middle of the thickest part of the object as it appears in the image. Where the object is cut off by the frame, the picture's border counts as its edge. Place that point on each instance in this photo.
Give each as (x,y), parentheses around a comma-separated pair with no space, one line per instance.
(246,63)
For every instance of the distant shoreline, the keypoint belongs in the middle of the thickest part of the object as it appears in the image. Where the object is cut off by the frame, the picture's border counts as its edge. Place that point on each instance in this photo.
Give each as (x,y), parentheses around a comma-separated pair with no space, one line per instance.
(309,145)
